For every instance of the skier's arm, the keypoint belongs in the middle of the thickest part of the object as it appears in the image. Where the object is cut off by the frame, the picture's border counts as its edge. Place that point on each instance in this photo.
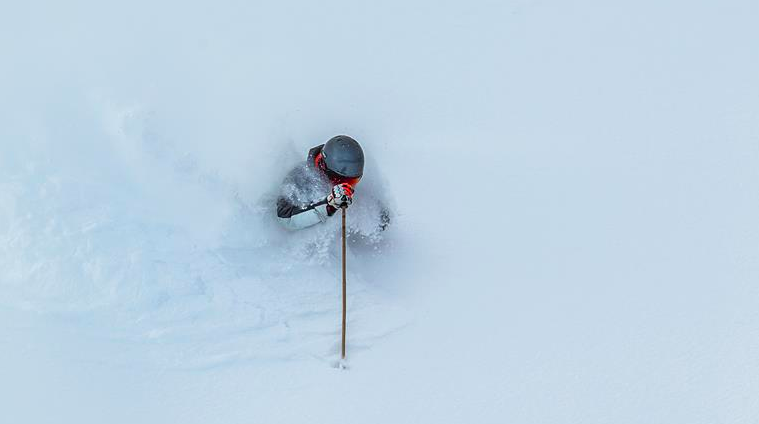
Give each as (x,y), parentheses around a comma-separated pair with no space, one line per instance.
(294,217)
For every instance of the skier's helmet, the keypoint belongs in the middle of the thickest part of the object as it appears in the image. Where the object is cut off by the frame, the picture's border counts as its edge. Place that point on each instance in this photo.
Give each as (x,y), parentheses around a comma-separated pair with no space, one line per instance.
(342,159)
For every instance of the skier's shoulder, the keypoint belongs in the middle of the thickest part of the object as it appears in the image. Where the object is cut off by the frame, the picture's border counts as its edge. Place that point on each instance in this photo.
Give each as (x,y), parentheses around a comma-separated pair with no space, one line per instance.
(313,152)
(303,171)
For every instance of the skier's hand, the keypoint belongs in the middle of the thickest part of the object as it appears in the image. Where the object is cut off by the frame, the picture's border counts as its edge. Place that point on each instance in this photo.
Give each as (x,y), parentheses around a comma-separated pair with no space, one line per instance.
(342,195)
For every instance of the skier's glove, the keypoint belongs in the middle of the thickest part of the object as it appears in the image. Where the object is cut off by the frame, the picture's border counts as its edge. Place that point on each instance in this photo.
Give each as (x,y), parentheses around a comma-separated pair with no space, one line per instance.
(342,195)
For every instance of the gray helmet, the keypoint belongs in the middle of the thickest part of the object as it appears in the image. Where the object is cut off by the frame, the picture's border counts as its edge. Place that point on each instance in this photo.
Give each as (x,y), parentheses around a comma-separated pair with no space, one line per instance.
(344,157)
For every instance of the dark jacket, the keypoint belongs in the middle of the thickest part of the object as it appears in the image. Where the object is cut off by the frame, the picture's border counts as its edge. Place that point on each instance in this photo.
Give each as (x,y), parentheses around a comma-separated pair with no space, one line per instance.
(303,199)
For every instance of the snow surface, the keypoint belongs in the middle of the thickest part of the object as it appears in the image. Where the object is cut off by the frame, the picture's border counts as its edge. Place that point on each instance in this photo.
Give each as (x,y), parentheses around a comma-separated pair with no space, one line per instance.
(575,188)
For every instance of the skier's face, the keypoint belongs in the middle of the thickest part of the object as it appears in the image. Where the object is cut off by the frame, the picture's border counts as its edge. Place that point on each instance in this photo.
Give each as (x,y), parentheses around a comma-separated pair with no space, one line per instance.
(338,179)
(335,178)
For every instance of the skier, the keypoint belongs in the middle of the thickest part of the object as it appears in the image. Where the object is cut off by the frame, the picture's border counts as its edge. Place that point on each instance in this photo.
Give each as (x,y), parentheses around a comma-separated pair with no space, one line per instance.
(315,190)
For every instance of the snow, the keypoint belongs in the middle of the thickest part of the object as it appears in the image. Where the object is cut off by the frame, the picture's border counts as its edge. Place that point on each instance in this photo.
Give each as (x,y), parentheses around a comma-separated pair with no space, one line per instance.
(575,188)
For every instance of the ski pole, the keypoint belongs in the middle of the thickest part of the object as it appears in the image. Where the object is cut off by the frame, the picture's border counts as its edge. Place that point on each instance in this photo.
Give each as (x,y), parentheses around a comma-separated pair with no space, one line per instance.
(344,287)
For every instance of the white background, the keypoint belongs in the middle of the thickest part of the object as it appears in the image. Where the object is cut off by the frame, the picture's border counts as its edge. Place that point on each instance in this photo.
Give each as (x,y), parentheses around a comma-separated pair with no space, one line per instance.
(575,188)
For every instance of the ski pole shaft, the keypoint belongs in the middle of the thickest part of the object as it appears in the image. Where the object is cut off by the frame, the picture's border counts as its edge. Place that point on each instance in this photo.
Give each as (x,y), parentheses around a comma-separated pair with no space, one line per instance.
(344,288)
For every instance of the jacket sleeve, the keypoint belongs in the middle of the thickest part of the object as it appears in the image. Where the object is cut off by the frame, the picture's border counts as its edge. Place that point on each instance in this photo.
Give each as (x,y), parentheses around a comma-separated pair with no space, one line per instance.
(295,217)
